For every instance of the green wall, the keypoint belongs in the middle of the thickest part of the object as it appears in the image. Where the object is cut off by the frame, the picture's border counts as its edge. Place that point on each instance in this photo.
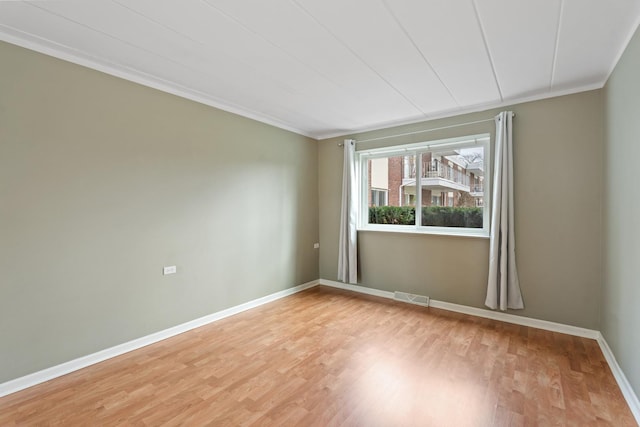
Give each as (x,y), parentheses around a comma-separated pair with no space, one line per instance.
(103,182)
(620,323)
(558,173)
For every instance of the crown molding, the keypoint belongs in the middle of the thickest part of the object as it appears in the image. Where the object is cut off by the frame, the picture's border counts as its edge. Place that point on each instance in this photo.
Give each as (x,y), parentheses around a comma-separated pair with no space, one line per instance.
(66,53)
(352,133)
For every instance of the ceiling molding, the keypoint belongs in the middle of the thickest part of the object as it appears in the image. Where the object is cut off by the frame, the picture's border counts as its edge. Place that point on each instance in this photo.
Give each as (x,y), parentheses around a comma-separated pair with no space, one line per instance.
(47,47)
(460,112)
(62,52)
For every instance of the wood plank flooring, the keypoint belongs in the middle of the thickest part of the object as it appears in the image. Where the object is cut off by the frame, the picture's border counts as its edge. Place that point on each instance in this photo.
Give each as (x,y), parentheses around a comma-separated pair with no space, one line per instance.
(326,357)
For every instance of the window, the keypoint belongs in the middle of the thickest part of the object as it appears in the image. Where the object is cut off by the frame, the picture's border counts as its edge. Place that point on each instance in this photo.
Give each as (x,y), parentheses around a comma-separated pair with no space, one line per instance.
(379,197)
(431,187)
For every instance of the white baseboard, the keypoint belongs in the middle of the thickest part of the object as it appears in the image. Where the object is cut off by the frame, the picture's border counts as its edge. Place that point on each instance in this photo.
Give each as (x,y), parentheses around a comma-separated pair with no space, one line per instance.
(517,320)
(356,288)
(627,391)
(26,381)
(479,312)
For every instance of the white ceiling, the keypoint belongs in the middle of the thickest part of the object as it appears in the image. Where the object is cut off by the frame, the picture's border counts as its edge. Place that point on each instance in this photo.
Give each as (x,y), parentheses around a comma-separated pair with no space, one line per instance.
(332,67)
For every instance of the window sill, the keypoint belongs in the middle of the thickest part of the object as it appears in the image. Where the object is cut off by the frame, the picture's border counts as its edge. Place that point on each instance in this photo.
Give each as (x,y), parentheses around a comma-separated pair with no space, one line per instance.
(482,234)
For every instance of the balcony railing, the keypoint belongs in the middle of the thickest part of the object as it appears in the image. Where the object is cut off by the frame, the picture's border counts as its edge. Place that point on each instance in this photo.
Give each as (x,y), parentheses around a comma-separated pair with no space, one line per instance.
(443,171)
(447,172)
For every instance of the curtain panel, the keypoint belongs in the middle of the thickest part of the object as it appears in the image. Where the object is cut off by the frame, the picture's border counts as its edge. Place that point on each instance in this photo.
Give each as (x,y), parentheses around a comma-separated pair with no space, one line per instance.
(348,250)
(503,287)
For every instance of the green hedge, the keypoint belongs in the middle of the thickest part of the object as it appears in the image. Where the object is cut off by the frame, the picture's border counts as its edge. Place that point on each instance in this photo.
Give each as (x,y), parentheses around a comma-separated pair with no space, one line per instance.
(439,216)
(402,215)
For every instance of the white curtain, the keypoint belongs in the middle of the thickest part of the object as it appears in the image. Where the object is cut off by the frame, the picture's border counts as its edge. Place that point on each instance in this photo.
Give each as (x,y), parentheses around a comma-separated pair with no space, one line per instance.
(348,250)
(503,289)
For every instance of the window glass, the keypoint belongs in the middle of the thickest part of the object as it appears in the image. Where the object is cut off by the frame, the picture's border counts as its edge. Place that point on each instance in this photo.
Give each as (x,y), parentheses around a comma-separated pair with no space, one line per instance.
(431,187)
(391,176)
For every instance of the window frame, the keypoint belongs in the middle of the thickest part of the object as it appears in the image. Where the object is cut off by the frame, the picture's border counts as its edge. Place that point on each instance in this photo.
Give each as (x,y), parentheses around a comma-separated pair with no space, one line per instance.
(417,149)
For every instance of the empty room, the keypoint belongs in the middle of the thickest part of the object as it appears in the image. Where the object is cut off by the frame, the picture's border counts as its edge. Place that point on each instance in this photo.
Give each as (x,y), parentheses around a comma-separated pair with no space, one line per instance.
(319,213)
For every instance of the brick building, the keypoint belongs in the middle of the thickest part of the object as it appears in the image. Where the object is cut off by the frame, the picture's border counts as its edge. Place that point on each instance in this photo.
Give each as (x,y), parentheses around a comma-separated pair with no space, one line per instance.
(453,178)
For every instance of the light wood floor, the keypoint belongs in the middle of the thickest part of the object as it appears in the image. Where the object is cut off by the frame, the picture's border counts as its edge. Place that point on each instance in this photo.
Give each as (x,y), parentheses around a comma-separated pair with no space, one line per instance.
(327,357)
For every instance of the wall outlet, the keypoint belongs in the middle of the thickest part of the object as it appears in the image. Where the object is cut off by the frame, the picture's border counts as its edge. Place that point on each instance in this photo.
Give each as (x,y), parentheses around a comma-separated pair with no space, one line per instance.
(316,245)
(169,270)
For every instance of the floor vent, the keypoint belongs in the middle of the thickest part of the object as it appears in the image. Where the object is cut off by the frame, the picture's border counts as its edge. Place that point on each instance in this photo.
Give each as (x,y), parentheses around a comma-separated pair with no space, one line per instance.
(411,298)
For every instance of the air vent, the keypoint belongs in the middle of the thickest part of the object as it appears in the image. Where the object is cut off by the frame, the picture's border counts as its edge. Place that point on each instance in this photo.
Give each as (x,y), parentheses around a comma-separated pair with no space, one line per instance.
(411,298)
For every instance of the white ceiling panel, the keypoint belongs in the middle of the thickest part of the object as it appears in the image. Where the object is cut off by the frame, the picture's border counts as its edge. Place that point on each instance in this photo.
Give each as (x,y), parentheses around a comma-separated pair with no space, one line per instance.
(380,42)
(449,35)
(361,90)
(523,46)
(592,33)
(271,66)
(120,23)
(43,24)
(328,67)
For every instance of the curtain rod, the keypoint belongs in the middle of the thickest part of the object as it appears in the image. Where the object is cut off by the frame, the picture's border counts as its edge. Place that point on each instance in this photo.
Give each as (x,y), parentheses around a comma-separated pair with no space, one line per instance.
(340,144)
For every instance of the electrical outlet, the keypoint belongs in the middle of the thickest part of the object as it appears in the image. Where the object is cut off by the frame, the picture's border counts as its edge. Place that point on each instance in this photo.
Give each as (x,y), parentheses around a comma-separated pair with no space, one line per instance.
(169,270)
(316,245)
